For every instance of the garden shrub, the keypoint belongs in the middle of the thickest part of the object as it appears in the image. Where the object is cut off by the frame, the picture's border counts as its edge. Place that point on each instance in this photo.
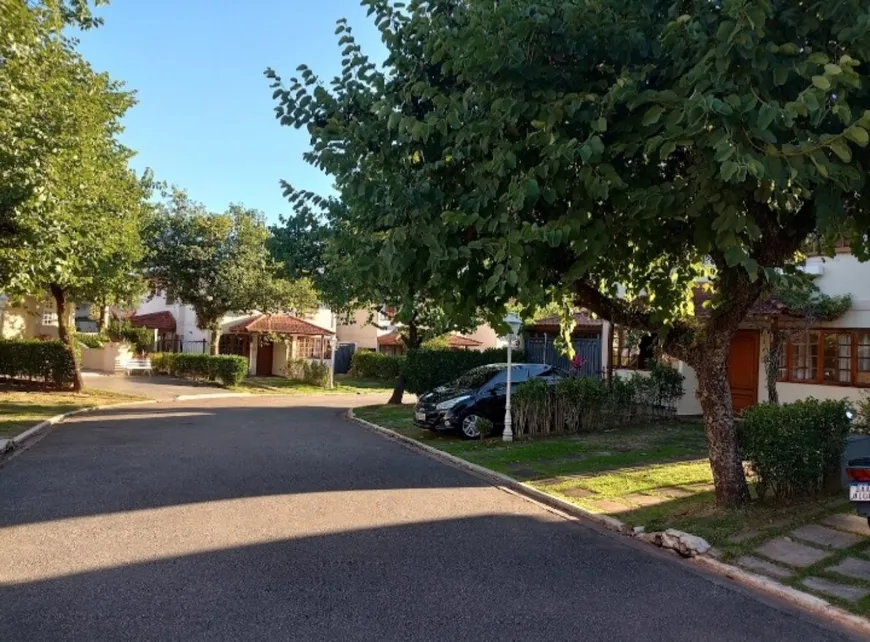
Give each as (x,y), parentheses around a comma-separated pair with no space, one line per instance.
(373,365)
(141,339)
(91,339)
(425,370)
(795,448)
(583,404)
(229,370)
(315,373)
(33,361)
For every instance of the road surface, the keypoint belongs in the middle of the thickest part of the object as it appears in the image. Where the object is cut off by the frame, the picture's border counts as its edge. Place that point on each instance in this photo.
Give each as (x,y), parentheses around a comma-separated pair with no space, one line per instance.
(277,519)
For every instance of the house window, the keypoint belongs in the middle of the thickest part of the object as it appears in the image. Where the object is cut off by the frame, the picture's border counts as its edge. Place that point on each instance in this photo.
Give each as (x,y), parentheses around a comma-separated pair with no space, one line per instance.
(833,358)
(631,350)
(310,348)
(49,317)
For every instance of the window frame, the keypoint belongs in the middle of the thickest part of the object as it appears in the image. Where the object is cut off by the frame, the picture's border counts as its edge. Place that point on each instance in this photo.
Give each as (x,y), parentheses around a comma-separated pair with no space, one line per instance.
(302,340)
(624,362)
(855,335)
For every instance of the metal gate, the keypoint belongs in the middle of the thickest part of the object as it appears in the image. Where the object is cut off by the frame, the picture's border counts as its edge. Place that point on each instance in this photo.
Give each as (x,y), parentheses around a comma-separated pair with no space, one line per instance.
(343,355)
(540,349)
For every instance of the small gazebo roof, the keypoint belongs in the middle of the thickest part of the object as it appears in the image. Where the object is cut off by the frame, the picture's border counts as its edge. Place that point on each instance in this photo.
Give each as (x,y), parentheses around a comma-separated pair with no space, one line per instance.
(279,324)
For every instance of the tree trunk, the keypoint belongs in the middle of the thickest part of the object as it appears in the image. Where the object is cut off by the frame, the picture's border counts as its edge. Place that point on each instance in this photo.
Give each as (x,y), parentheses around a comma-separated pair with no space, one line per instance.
(65,333)
(414,341)
(214,330)
(714,394)
(102,318)
(772,364)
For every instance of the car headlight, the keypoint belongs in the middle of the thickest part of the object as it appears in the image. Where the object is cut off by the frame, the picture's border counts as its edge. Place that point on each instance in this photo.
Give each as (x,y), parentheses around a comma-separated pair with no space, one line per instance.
(447,405)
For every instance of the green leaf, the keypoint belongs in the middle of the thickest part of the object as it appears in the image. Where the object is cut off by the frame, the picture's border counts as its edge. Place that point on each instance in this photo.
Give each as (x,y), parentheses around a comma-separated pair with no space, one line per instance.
(532,189)
(780,76)
(724,152)
(858,135)
(833,70)
(841,149)
(728,169)
(652,115)
(766,115)
(810,101)
(667,149)
(599,125)
(821,82)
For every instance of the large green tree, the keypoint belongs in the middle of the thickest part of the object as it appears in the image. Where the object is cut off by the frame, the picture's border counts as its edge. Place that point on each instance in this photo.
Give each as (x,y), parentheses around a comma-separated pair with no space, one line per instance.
(218,263)
(71,207)
(616,151)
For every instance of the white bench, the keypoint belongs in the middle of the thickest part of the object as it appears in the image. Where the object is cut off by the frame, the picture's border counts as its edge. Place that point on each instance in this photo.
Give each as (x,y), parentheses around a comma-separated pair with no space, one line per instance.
(132,365)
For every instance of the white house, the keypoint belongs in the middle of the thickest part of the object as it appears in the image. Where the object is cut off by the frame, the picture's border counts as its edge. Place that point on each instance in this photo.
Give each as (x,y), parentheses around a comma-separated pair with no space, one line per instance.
(830,360)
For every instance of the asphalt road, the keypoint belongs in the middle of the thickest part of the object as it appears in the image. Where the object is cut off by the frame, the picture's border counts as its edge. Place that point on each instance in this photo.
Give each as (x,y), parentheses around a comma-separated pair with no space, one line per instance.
(275,520)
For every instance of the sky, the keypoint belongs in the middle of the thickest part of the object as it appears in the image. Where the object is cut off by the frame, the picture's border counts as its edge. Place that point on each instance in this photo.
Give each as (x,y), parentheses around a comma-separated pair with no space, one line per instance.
(204,119)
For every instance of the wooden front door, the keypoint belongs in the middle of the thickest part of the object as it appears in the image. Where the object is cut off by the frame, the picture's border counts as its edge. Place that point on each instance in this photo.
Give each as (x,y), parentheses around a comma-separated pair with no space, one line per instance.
(264,358)
(743,369)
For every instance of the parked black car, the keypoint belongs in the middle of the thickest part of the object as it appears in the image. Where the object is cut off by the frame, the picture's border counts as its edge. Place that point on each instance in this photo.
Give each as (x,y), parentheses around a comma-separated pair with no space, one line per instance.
(478,394)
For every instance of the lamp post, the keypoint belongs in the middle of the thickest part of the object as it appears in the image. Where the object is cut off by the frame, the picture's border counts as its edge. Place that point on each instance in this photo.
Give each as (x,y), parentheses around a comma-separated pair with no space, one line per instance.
(513,322)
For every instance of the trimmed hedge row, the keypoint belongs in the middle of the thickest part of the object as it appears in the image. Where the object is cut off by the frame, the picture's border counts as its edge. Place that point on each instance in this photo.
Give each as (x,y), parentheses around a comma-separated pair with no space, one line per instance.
(33,360)
(373,365)
(230,370)
(425,370)
(795,449)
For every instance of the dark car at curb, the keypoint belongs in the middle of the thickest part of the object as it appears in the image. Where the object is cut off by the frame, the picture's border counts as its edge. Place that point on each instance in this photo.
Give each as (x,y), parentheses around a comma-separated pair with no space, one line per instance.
(480,393)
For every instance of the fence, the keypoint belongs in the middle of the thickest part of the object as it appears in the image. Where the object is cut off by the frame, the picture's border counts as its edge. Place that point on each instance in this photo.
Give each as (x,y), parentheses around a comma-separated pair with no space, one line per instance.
(177,344)
(540,349)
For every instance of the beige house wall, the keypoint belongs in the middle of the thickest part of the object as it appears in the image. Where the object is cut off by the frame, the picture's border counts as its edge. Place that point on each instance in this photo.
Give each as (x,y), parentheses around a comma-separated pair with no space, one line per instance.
(24,319)
(488,337)
(360,332)
(110,358)
(280,353)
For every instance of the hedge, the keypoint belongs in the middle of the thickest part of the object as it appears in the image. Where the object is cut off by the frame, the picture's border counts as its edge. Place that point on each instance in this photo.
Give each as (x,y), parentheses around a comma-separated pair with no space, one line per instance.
(795,449)
(373,365)
(230,370)
(313,373)
(428,369)
(91,339)
(46,362)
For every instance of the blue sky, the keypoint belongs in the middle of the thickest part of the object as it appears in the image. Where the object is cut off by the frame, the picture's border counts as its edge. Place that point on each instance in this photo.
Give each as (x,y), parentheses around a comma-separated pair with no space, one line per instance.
(204,120)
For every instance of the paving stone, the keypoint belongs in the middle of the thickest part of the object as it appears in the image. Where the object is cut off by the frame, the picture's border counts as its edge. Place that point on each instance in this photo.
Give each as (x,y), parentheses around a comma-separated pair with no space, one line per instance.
(610,507)
(550,481)
(851,523)
(675,492)
(763,566)
(574,457)
(739,538)
(699,488)
(791,553)
(825,536)
(644,500)
(578,493)
(852,567)
(602,453)
(842,591)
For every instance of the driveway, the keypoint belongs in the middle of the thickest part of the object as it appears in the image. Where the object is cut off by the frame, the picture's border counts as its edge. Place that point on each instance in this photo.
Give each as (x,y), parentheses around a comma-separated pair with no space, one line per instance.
(158,387)
(275,519)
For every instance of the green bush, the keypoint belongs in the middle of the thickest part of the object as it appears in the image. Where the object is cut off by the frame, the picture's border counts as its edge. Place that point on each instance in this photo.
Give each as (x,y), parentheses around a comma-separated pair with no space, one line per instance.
(373,365)
(91,339)
(229,370)
(141,339)
(584,404)
(425,370)
(34,361)
(315,373)
(794,449)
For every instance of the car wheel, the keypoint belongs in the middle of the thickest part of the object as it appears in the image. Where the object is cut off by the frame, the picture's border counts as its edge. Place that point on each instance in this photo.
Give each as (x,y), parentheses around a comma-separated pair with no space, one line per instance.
(470,428)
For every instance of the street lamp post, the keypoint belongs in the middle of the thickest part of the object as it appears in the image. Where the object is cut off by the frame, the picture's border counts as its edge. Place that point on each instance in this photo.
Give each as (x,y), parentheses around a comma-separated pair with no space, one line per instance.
(513,322)
(332,342)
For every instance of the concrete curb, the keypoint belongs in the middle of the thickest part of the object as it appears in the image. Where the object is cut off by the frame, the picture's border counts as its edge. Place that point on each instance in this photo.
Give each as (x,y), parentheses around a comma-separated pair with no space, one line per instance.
(806,601)
(39,430)
(498,479)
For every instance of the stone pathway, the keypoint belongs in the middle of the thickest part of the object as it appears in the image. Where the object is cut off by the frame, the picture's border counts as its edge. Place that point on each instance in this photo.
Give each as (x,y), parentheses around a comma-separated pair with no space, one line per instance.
(831,548)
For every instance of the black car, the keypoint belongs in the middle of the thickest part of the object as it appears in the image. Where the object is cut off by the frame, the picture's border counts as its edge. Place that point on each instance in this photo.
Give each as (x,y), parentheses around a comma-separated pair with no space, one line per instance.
(478,394)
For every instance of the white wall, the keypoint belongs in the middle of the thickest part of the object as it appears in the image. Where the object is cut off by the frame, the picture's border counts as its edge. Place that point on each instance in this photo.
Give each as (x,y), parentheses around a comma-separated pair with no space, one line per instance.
(488,337)
(844,274)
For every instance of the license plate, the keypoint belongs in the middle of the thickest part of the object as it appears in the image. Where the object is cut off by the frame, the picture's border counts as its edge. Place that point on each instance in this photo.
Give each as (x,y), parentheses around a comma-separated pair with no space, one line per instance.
(421,416)
(859,492)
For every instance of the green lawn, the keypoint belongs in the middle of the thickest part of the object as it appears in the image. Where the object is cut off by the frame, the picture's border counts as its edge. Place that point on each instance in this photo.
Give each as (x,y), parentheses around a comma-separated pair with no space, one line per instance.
(343,385)
(656,476)
(22,410)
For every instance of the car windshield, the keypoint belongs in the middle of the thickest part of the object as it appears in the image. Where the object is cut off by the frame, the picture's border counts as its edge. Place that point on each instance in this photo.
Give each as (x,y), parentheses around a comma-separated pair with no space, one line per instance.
(476,377)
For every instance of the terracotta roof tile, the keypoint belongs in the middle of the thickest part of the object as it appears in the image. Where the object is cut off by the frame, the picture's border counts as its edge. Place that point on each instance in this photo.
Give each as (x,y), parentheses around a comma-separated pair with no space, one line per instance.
(155,321)
(279,324)
(394,338)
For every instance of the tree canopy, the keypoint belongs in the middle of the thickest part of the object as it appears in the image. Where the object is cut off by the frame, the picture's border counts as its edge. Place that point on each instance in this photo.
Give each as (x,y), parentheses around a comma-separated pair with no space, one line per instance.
(218,263)
(614,152)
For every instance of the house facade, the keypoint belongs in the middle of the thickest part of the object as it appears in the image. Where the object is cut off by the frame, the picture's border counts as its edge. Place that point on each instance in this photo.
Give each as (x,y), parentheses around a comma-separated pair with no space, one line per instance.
(27,318)
(825,360)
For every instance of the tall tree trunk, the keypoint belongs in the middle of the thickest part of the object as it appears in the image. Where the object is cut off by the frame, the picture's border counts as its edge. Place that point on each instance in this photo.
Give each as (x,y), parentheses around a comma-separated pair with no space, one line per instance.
(214,330)
(65,333)
(102,318)
(714,394)
(414,341)
(772,363)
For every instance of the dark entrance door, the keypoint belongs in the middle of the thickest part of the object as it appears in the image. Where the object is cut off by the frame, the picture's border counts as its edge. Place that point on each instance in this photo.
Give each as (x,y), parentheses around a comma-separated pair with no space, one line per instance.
(743,369)
(264,357)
